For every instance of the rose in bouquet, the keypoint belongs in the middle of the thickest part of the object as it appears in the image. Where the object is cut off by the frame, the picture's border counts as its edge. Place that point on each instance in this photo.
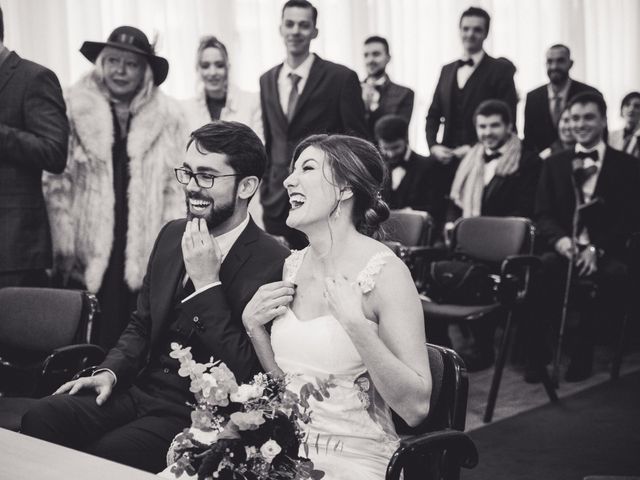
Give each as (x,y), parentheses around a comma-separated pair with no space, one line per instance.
(251,431)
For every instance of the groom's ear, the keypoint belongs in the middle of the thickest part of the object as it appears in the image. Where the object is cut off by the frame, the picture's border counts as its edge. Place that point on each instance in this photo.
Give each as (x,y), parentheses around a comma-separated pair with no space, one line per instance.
(248,187)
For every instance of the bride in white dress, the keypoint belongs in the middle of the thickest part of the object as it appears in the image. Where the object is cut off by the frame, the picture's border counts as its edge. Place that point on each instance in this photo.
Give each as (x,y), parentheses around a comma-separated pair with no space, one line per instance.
(346,312)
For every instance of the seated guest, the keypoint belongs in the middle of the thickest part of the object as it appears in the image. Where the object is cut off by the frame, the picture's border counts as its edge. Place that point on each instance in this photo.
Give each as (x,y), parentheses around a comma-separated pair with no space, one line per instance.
(414,181)
(544,105)
(218,99)
(202,272)
(628,138)
(496,178)
(606,183)
(381,96)
(565,140)
(117,191)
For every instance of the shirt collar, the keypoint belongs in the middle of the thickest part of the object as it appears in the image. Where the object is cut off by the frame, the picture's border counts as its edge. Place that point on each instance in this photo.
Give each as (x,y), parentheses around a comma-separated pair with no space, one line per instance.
(601,148)
(377,82)
(562,93)
(4,54)
(476,57)
(228,239)
(301,70)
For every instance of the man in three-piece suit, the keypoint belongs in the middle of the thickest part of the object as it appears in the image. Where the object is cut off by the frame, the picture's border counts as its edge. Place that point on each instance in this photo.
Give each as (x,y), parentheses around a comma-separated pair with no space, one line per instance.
(414,181)
(462,86)
(546,103)
(381,96)
(606,184)
(305,95)
(33,137)
(194,292)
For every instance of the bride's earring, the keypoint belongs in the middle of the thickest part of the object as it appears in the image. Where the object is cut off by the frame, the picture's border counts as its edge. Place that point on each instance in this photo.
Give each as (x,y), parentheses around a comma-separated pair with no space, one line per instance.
(338,210)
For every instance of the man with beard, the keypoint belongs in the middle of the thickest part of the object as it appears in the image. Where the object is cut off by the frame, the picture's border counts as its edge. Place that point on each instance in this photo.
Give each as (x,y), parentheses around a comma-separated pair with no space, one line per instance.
(414,181)
(201,273)
(498,178)
(381,96)
(545,104)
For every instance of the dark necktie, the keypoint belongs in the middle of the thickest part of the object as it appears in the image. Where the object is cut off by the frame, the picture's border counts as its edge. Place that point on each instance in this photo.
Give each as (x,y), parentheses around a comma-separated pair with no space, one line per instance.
(593,155)
(491,156)
(468,62)
(293,95)
(556,111)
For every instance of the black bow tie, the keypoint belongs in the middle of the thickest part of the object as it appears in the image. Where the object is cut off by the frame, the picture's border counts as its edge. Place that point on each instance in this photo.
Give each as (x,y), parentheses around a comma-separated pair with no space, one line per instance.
(491,156)
(593,155)
(462,63)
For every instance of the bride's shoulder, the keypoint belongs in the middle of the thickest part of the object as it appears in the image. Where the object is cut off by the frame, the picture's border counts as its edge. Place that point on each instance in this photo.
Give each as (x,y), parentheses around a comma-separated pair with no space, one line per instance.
(380,262)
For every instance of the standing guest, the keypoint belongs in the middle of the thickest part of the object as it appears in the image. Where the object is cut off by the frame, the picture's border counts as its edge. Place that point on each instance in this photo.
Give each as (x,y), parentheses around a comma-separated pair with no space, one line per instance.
(497,177)
(302,96)
(218,99)
(381,96)
(202,272)
(414,181)
(545,104)
(565,140)
(463,85)
(628,138)
(33,137)
(117,191)
(608,179)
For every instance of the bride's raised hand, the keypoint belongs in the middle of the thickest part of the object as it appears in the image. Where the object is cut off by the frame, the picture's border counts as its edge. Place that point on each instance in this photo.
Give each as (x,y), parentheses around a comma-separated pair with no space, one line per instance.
(269,301)
(344,299)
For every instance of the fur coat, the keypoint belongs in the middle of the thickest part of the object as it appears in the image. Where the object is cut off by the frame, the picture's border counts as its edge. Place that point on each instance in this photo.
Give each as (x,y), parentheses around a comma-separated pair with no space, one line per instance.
(81,200)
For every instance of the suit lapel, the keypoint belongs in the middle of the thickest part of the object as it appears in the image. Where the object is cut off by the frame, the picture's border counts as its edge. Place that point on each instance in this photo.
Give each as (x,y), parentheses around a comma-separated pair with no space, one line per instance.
(494,185)
(476,78)
(274,94)
(605,180)
(448,77)
(8,68)
(316,74)
(238,255)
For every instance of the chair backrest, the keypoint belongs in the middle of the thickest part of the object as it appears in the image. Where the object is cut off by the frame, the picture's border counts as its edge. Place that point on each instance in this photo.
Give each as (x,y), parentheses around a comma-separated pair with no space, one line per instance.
(492,239)
(40,319)
(409,227)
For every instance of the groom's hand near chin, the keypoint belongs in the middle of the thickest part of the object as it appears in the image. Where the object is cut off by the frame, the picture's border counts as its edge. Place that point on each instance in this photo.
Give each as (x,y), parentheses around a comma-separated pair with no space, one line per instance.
(102,383)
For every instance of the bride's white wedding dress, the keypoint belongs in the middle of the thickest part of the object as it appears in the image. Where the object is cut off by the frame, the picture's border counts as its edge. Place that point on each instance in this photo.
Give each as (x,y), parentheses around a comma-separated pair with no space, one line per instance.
(351,434)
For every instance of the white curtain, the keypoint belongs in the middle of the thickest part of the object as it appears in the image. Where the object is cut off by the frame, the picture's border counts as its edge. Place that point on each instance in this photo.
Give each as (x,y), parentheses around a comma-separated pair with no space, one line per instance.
(604,37)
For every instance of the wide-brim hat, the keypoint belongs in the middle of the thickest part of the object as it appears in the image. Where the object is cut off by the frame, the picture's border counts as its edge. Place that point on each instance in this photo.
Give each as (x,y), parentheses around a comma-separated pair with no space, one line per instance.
(132,40)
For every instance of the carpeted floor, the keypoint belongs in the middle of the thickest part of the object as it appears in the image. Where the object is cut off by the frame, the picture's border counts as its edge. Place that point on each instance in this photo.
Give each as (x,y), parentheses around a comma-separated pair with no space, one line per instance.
(594,432)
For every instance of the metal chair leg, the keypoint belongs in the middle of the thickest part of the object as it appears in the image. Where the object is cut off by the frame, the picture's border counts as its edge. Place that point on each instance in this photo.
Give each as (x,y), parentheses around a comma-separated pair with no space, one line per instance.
(548,385)
(497,373)
(617,355)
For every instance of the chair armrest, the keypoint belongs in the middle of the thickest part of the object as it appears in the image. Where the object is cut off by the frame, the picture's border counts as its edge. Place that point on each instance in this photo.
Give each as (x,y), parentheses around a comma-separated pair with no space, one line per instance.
(515,273)
(80,354)
(458,445)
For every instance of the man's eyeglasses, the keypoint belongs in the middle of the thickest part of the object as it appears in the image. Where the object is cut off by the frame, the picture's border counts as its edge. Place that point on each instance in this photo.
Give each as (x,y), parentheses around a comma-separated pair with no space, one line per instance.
(203,180)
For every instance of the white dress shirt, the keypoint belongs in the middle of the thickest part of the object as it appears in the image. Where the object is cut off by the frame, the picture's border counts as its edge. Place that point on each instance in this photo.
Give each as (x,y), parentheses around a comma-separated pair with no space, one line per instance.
(490,167)
(590,185)
(465,71)
(284,82)
(399,172)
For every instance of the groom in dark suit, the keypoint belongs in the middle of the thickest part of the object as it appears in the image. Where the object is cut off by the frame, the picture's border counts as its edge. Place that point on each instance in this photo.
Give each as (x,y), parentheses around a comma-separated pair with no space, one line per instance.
(606,182)
(196,287)
(33,137)
(304,95)
(463,85)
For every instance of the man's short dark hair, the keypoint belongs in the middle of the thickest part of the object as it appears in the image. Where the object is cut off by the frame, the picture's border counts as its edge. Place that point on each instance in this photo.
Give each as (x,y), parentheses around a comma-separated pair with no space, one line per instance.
(243,148)
(477,12)
(302,4)
(493,107)
(590,97)
(628,97)
(562,46)
(377,39)
(1,26)
(390,128)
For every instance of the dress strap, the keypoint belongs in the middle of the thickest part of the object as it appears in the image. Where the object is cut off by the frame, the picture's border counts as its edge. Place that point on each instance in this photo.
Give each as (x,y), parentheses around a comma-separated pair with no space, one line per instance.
(292,264)
(366,278)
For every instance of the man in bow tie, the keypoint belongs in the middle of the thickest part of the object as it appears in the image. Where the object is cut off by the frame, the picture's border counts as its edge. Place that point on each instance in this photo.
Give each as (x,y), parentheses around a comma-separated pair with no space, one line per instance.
(382,96)
(463,85)
(604,185)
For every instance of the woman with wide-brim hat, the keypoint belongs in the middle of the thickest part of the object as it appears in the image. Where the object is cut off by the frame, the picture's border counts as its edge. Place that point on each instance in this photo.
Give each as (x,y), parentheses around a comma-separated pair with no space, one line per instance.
(118,189)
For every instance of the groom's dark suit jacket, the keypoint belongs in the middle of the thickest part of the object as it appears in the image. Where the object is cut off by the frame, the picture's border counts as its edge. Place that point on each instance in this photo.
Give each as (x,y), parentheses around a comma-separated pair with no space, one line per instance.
(611,221)
(210,322)
(34,133)
(331,102)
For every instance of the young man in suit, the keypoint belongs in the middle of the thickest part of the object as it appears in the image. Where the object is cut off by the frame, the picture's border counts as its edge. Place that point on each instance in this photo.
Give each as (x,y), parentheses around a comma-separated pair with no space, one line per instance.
(546,103)
(606,184)
(304,95)
(381,96)
(414,181)
(34,133)
(497,177)
(202,272)
(462,86)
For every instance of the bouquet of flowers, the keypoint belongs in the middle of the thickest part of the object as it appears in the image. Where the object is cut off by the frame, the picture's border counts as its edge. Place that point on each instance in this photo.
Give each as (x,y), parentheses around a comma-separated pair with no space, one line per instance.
(256,436)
